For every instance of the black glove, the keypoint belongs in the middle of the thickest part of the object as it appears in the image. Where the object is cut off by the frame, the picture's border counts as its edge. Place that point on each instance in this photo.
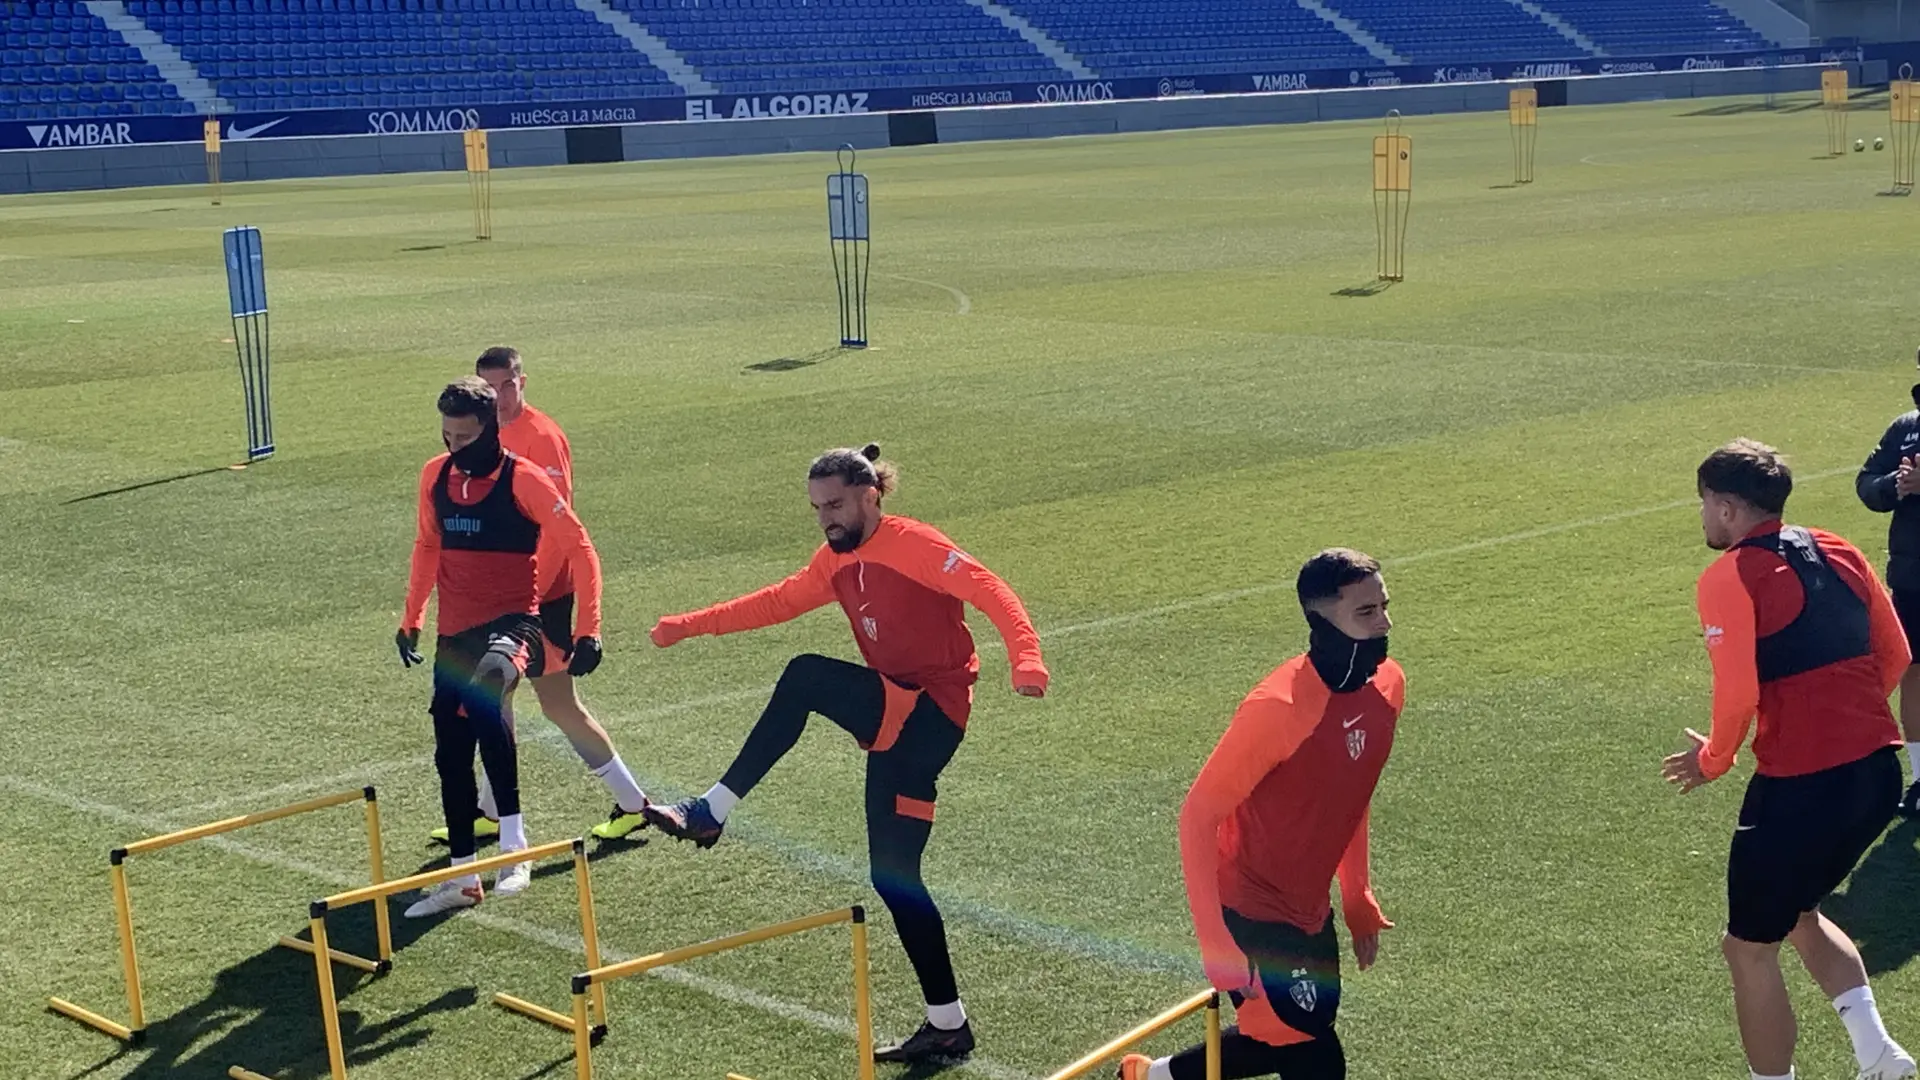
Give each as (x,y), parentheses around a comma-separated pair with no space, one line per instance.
(408,642)
(586,657)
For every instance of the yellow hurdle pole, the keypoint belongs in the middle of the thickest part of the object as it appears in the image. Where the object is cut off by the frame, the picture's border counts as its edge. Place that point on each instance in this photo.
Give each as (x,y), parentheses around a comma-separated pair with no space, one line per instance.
(537,1012)
(238,1073)
(582,1033)
(1150,1028)
(862,997)
(371,967)
(226,825)
(640,965)
(1213,1037)
(329,1008)
(589,928)
(129,960)
(376,857)
(435,877)
(95,1020)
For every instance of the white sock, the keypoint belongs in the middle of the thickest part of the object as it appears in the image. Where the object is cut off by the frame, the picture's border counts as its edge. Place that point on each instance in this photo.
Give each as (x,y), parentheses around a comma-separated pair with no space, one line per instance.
(626,792)
(1161,1069)
(513,833)
(1788,1075)
(471,879)
(487,804)
(722,801)
(947,1017)
(1913,759)
(1862,1017)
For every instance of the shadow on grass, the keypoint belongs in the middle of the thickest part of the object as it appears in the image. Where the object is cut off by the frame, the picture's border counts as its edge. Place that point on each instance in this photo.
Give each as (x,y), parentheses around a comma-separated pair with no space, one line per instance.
(264,1013)
(1876,911)
(154,483)
(794,363)
(1371,288)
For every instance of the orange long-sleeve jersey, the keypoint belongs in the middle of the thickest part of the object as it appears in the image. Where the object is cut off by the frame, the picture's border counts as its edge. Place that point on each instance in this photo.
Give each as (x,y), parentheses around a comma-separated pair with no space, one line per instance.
(1281,807)
(1815,719)
(537,439)
(902,591)
(480,580)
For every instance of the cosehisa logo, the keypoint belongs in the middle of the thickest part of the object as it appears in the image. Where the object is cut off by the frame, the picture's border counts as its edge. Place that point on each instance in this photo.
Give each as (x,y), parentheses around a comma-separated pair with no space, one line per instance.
(1629,67)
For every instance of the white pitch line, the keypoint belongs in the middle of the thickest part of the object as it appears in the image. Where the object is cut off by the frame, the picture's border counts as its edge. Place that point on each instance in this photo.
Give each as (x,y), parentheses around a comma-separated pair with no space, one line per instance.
(563,941)
(965,301)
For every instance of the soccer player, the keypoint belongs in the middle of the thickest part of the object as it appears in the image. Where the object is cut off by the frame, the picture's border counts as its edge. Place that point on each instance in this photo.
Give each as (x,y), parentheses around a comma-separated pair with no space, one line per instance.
(901,584)
(1887,483)
(1800,632)
(484,513)
(1278,811)
(532,436)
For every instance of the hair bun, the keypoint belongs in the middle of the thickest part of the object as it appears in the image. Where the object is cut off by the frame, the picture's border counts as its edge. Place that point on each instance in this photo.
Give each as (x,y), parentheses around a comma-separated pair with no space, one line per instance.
(871,451)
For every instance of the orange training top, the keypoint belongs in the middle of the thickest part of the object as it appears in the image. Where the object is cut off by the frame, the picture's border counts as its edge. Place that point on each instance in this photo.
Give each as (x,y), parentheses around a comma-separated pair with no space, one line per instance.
(534,436)
(477,587)
(902,591)
(1814,720)
(1281,807)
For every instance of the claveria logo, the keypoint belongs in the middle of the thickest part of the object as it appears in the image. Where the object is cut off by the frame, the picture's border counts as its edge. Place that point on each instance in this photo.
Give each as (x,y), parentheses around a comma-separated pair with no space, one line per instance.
(1545,71)
(1702,63)
(1462,74)
(1629,67)
(1269,83)
(1057,93)
(422,120)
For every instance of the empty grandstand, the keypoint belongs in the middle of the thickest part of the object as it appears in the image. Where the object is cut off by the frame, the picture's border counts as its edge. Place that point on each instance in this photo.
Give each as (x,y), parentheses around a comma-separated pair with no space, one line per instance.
(62,60)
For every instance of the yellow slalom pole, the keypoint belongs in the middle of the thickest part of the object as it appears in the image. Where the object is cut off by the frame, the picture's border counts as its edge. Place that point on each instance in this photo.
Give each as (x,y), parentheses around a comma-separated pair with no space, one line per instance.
(589,929)
(129,960)
(329,1008)
(582,1030)
(226,825)
(862,997)
(376,856)
(1213,1037)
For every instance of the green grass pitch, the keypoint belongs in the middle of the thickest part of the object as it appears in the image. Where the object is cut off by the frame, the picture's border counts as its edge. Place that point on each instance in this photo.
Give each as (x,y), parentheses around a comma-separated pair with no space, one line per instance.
(1122,373)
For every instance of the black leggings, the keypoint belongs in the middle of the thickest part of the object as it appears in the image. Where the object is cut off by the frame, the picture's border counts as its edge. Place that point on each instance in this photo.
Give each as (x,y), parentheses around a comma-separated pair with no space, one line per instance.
(900,790)
(474,675)
(1243,1056)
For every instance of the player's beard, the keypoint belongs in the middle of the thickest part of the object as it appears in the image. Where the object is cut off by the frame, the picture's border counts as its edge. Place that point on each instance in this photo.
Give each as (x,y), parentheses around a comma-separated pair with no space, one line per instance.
(850,537)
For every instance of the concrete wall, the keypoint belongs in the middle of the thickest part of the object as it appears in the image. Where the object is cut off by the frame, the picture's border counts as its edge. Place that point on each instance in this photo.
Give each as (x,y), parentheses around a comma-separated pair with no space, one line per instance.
(276,159)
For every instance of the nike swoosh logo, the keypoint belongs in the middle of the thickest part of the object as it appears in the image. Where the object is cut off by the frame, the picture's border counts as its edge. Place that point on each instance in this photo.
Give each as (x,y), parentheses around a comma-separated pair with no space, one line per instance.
(1355,720)
(237,133)
(1744,828)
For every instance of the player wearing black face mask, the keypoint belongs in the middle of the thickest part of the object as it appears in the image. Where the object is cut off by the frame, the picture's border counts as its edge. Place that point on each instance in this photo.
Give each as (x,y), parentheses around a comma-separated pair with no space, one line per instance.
(483,517)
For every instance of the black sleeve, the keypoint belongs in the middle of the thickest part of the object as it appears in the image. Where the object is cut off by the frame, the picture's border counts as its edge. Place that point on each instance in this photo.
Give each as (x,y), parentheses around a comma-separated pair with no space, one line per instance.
(1875,484)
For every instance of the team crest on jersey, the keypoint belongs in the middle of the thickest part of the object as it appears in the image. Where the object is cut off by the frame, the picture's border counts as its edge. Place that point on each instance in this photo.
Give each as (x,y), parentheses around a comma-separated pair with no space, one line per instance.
(1303,991)
(871,626)
(1356,743)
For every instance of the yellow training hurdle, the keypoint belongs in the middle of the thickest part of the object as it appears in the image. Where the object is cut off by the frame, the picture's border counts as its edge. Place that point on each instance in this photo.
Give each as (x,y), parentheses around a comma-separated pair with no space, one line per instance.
(134,1030)
(587,1032)
(594,980)
(1206,1000)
